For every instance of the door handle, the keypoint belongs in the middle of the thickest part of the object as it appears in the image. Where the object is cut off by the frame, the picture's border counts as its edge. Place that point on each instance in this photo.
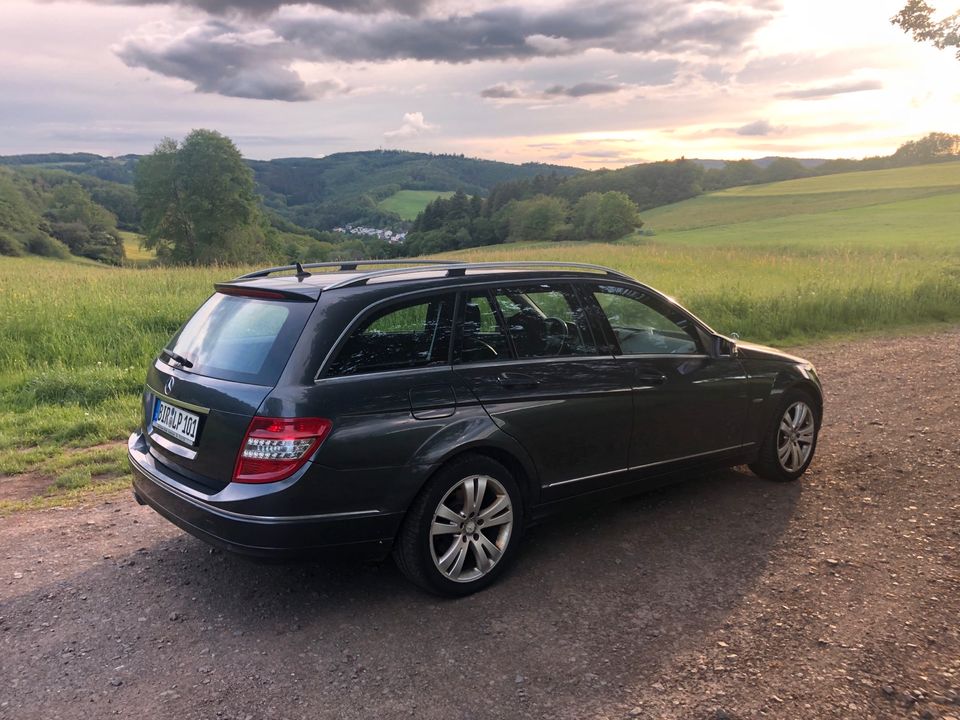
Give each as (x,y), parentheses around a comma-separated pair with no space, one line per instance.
(516,380)
(650,378)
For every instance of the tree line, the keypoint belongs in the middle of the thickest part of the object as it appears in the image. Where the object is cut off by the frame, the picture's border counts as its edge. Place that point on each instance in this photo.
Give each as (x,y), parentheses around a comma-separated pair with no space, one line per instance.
(600,205)
(463,222)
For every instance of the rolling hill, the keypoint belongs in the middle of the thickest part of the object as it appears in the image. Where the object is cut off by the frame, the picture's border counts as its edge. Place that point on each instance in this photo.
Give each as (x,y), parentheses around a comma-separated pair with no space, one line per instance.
(332,190)
(904,207)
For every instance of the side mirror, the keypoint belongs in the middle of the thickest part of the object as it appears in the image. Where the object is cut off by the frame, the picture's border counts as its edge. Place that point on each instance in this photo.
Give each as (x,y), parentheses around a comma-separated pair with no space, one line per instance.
(724,347)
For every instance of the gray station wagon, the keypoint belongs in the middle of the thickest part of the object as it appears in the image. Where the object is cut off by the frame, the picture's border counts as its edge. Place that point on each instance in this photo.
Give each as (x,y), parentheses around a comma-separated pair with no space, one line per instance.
(437,410)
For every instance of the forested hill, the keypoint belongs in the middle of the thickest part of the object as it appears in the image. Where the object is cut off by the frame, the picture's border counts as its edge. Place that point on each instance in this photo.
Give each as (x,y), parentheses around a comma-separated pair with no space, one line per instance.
(332,190)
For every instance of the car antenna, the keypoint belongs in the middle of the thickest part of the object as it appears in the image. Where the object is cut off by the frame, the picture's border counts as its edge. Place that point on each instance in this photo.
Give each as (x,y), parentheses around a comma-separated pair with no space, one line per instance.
(301,273)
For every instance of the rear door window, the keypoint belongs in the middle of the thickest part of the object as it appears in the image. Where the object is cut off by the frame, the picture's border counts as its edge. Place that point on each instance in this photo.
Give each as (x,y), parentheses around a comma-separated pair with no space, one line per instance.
(245,339)
(545,320)
(481,334)
(410,334)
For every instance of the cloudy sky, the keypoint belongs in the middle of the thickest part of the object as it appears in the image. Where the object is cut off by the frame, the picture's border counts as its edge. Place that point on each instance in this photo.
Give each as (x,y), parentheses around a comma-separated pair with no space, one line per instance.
(582,82)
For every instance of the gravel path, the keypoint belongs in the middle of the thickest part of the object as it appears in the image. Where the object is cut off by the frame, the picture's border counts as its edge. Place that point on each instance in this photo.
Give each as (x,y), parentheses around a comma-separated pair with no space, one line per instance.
(722,597)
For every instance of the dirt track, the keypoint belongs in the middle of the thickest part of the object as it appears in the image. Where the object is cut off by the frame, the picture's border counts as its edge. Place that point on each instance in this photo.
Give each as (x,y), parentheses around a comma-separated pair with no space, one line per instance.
(723,597)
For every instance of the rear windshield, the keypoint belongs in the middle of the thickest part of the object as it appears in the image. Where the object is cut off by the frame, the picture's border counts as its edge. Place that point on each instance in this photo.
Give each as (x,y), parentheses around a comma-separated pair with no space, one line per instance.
(244,339)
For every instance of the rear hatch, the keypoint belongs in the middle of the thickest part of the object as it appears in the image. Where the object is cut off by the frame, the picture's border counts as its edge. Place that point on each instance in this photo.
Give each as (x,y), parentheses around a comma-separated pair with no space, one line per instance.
(212,377)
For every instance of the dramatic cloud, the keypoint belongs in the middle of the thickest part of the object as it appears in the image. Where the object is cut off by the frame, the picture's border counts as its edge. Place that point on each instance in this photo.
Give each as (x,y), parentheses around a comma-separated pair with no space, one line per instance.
(217,58)
(413,125)
(515,32)
(266,7)
(759,127)
(830,90)
(242,60)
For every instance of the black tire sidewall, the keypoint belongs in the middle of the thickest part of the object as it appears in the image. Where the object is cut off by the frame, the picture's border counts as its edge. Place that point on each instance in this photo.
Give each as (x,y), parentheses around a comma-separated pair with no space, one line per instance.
(427,503)
(769,465)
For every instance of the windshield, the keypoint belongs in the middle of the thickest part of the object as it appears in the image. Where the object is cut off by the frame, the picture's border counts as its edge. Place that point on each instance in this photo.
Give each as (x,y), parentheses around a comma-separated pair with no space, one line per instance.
(239,338)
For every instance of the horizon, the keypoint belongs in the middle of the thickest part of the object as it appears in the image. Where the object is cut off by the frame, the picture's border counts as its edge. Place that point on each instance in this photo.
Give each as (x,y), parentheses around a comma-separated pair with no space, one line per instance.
(546,81)
(468,157)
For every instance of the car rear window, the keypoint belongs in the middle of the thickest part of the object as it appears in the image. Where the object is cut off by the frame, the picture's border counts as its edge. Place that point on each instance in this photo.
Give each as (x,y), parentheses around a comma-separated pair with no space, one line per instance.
(245,339)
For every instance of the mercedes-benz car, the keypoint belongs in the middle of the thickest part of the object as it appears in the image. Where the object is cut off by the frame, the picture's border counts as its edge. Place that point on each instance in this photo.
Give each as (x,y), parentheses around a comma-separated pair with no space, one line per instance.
(436,409)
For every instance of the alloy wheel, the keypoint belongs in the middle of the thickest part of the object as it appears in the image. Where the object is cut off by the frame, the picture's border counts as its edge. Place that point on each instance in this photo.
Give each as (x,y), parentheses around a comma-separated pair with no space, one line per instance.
(795,436)
(471,528)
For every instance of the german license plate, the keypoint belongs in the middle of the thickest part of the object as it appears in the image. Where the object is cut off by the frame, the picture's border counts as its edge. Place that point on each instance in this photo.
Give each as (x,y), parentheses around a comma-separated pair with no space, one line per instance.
(176,422)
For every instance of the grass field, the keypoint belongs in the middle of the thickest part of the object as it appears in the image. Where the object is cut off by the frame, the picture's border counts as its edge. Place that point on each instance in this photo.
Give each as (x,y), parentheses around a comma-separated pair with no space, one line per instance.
(137,255)
(408,203)
(783,264)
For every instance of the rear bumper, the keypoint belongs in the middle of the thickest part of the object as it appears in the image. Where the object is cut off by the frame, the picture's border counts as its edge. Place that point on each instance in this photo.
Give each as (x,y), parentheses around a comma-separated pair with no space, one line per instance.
(367,534)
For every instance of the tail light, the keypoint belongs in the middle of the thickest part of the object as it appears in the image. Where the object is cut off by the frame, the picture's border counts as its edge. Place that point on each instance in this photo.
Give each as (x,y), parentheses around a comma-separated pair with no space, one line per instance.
(275,448)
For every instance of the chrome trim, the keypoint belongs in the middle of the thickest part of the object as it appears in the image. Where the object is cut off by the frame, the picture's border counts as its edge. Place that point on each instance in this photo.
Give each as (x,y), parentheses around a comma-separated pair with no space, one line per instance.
(590,477)
(653,464)
(479,282)
(530,361)
(661,356)
(179,403)
(173,447)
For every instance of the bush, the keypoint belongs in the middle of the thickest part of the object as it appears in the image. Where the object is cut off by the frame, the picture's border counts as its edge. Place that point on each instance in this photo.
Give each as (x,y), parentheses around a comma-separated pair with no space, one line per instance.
(47,246)
(10,246)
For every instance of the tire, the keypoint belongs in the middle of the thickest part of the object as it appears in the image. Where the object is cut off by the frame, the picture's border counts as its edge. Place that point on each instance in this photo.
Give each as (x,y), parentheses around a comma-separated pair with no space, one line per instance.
(451,547)
(790,441)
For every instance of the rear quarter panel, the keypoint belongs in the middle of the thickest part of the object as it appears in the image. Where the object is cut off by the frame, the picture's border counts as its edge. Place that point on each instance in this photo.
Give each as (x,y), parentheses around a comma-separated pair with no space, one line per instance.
(379,454)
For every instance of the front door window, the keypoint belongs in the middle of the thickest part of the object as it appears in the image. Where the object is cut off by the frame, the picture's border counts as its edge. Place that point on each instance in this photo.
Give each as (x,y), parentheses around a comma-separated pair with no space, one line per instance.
(644,325)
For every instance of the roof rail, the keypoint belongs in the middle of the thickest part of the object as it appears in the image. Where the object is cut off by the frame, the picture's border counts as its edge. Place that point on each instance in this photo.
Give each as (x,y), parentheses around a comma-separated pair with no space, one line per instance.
(455,269)
(341,265)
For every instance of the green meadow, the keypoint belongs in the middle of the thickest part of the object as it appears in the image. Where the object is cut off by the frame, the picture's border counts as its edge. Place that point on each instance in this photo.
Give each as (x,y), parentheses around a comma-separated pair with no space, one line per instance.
(409,203)
(783,264)
(136,254)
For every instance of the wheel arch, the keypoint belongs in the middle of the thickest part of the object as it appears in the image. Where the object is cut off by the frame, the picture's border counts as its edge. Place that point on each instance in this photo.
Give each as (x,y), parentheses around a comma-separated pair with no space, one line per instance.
(789,382)
(478,434)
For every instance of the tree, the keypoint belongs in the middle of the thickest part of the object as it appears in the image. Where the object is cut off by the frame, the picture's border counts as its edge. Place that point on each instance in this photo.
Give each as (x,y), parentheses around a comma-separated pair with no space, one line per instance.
(916,18)
(606,216)
(585,215)
(618,215)
(198,202)
(933,147)
(539,218)
(86,228)
(782,168)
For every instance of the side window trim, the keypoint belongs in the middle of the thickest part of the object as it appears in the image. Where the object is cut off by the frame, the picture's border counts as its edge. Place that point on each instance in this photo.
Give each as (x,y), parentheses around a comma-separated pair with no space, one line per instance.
(501,321)
(457,335)
(599,323)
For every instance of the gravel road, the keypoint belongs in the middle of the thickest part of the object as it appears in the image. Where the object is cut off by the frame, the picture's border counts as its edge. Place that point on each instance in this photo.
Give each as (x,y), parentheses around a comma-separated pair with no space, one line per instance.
(722,597)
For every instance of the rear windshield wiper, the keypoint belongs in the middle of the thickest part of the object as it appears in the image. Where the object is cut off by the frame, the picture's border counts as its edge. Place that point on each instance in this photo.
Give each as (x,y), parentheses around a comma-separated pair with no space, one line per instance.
(179,359)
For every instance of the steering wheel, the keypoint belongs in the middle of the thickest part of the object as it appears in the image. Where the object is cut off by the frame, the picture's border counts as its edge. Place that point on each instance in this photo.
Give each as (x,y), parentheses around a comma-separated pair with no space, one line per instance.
(556,331)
